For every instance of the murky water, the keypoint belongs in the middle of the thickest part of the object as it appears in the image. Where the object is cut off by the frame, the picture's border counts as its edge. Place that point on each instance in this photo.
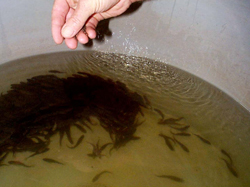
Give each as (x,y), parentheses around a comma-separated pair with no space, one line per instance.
(149,161)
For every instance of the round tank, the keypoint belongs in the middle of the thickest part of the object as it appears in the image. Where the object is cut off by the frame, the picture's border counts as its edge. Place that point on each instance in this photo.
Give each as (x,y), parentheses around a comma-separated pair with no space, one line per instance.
(210,39)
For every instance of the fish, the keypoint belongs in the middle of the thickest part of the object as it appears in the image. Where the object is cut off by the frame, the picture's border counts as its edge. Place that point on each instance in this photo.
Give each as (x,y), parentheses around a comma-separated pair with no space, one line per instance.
(55,71)
(160,113)
(1,165)
(99,175)
(181,128)
(68,133)
(85,124)
(77,143)
(225,153)
(18,163)
(174,178)
(61,134)
(181,134)
(40,151)
(203,139)
(231,168)
(97,150)
(182,146)
(80,128)
(49,160)
(3,157)
(147,102)
(168,143)
(170,121)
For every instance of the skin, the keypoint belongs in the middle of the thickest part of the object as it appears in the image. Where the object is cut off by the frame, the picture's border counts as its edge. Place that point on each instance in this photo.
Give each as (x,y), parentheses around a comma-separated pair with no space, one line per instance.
(70,16)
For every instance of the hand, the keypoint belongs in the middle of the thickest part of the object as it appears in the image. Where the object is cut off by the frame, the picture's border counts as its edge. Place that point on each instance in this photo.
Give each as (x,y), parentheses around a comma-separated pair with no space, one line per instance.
(75,20)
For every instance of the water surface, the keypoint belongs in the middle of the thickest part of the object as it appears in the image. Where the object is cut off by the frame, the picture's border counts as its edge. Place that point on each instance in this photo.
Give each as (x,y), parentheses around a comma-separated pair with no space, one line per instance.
(208,111)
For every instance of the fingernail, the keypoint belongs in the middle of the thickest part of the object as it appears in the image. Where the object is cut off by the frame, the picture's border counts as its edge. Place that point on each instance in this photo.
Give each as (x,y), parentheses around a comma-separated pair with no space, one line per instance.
(67,31)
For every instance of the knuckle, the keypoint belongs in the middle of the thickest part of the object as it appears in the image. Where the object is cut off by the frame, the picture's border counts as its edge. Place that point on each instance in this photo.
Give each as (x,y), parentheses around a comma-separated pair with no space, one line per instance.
(76,20)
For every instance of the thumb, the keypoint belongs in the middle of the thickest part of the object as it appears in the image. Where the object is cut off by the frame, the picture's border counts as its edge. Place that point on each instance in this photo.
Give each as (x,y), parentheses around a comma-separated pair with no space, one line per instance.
(75,23)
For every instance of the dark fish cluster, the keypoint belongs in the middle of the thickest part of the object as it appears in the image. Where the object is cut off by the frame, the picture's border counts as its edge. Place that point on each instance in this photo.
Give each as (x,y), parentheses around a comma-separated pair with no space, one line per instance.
(33,111)
(173,124)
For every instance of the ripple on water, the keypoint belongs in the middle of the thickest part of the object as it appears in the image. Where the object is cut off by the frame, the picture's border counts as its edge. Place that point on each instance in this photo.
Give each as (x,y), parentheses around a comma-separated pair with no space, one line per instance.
(212,115)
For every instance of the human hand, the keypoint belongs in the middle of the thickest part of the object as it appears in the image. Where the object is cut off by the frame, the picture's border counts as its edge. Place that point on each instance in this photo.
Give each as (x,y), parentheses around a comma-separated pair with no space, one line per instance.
(75,20)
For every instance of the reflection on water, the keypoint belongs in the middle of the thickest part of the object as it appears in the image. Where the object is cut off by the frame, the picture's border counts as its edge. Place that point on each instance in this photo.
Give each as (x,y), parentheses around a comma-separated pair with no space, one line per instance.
(121,121)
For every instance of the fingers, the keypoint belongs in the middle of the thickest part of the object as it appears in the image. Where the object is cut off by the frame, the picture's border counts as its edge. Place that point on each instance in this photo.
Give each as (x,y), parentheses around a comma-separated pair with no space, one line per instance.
(75,23)
(91,26)
(59,12)
(71,42)
(82,37)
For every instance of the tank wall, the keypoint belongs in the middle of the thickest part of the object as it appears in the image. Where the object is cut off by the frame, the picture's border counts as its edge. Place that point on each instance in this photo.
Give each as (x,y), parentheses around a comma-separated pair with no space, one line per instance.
(208,38)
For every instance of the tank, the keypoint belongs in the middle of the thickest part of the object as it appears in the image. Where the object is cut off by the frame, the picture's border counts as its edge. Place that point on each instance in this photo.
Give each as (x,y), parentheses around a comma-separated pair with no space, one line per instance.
(208,40)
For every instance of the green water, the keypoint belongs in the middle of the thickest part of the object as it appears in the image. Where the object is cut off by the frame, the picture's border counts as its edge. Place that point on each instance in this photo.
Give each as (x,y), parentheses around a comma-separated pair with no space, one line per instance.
(208,111)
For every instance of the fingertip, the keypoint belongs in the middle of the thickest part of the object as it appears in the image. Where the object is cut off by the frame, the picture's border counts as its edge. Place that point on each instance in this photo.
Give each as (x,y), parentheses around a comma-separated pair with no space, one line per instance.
(67,31)
(82,38)
(56,34)
(71,43)
(57,40)
(77,20)
(91,33)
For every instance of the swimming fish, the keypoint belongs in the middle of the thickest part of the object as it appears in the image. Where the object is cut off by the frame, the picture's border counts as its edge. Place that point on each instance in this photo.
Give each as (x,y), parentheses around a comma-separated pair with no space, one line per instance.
(168,143)
(39,151)
(80,128)
(68,133)
(170,121)
(174,178)
(225,153)
(182,146)
(97,150)
(99,175)
(77,143)
(181,134)
(230,168)
(147,102)
(49,160)
(3,157)
(1,165)
(160,113)
(203,139)
(18,163)
(55,71)
(181,128)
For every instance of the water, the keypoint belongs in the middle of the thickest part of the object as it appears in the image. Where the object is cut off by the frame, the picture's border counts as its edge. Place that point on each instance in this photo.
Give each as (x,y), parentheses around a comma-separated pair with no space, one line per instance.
(208,111)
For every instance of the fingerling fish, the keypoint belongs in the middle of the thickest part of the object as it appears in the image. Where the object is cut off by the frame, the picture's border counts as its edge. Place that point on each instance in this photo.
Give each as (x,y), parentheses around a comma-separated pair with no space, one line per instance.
(225,153)
(168,143)
(182,145)
(174,178)
(49,160)
(230,168)
(77,143)
(18,163)
(203,139)
(99,175)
